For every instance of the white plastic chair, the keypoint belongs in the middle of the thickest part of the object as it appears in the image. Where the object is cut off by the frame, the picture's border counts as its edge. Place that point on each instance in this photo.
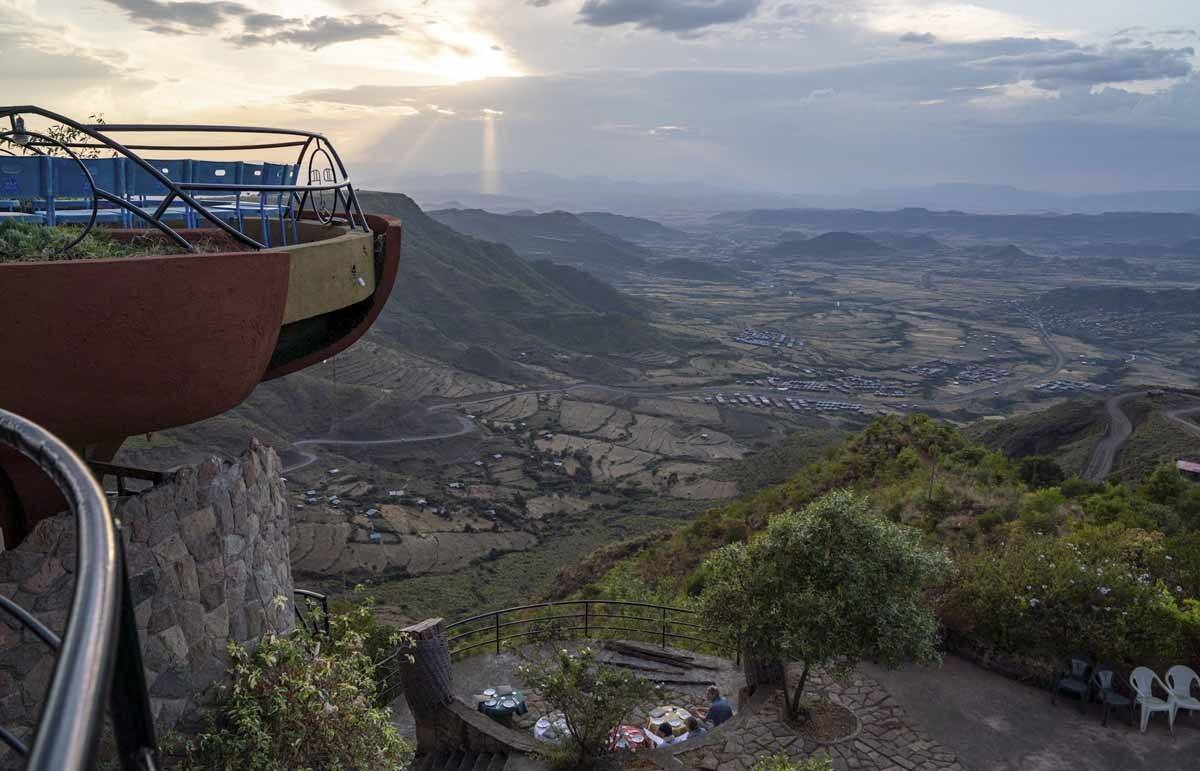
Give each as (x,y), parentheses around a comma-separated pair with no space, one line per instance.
(1180,679)
(1143,679)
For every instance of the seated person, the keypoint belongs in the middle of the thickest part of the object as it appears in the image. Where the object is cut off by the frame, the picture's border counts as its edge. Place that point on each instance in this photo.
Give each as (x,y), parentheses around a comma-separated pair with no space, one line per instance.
(694,727)
(664,731)
(719,710)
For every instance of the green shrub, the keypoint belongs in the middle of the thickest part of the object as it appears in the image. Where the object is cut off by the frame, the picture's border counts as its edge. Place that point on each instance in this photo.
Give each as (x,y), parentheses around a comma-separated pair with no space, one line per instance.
(784,763)
(300,703)
(593,698)
(1090,591)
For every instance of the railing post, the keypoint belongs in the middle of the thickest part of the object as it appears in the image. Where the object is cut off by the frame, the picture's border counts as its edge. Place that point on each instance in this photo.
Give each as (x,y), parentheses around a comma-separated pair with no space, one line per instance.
(664,626)
(586,608)
(497,633)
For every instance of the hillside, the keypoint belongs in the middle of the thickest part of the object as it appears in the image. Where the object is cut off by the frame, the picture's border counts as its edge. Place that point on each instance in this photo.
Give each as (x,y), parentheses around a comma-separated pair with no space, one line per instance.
(456,291)
(1120,299)
(1021,550)
(695,270)
(558,236)
(827,246)
(630,228)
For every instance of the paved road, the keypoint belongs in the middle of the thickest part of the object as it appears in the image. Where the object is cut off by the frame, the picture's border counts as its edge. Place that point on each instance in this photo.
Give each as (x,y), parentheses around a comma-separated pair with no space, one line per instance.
(1119,429)
(1179,418)
(465,427)
(1115,436)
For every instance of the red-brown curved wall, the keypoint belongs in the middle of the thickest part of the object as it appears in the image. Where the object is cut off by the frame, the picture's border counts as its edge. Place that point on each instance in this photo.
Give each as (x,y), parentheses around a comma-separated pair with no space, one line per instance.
(98,350)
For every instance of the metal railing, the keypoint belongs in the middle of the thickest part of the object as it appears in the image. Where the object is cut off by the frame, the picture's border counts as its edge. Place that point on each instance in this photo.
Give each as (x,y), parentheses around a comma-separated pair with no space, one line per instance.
(591,618)
(312,146)
(306,598)
(99,657)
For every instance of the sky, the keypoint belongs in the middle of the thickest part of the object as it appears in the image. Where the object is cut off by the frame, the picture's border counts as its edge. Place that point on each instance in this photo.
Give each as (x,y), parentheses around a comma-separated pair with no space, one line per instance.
(799,96)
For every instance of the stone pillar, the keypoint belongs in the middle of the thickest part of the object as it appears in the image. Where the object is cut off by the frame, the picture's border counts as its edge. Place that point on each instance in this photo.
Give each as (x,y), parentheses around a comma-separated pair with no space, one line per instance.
(426,676)
(207,560)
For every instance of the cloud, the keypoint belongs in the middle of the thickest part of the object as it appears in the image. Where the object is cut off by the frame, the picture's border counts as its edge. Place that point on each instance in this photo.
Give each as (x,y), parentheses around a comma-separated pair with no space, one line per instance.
(679,16)
(193,17)
(322,31)
(925,38)
(1075,65)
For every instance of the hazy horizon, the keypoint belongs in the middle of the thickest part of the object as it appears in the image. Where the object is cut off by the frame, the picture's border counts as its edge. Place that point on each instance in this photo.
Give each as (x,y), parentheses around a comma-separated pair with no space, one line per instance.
(772,96)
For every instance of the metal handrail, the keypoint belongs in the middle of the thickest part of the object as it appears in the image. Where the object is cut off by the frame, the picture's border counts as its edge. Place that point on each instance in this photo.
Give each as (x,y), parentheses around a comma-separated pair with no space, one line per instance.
(495,624)
(308,595)
(298,194)
(72,715)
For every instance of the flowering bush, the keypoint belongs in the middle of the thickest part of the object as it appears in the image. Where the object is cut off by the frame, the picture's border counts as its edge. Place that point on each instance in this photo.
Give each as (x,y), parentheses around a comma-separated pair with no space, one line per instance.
(299,703)
(1093,591)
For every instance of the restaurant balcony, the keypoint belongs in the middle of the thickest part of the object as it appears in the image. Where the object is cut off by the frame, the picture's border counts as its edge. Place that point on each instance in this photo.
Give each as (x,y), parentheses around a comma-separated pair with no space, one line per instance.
(244,270)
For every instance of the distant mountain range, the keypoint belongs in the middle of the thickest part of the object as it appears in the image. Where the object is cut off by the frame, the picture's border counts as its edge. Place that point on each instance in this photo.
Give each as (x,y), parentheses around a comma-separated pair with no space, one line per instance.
(1129,226)
(533,190)
(558,236)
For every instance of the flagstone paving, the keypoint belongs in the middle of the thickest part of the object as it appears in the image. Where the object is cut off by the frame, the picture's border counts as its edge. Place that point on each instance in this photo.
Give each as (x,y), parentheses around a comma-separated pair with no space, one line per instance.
(885,738)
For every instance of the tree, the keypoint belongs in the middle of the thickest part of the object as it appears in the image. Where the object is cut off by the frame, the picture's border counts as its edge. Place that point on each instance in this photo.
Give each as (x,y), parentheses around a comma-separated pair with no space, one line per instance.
(1038,471)
(593,698)
(1165,485)
(832,582)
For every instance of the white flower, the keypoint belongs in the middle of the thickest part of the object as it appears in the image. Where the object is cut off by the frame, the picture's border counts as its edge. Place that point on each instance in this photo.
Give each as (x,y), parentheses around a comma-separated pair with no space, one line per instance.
(1105,590)
(1034,602)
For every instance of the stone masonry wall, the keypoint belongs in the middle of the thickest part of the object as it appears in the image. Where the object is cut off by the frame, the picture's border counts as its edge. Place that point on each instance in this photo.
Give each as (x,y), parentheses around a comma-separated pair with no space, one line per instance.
(207,559)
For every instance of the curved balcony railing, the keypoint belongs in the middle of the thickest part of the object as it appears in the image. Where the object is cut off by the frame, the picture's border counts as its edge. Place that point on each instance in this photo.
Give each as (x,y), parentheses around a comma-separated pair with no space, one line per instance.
(326,175)
(662,624)
(98,655)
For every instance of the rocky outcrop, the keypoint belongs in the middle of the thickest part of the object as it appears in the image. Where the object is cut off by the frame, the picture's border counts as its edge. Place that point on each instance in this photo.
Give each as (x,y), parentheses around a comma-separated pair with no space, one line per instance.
(207,560)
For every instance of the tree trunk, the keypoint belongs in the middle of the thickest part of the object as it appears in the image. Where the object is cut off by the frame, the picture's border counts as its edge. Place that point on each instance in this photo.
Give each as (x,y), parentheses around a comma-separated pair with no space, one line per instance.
(761,671)
(794,704)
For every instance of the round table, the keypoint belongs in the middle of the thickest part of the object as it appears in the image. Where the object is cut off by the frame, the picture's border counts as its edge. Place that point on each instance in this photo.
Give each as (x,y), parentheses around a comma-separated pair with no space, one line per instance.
(629,737)
(501,703)
(674,717)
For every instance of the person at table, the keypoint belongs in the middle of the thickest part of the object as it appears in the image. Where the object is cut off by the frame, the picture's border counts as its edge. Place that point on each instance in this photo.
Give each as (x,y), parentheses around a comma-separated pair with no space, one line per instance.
(667,735)
(719,710)
(694,727)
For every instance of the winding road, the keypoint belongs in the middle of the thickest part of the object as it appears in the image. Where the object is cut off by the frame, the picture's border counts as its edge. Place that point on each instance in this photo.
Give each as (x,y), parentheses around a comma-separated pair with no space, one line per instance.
(1119,429)
(466,426)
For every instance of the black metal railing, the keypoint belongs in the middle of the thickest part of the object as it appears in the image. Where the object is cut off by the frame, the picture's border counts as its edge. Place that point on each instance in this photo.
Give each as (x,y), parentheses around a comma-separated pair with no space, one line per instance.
(303,601)
(591,618)
(321,180)
(123,474)
(99,657)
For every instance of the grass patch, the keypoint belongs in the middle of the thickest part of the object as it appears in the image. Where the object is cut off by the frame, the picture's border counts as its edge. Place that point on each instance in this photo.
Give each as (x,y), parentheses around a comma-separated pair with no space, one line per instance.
(30,242)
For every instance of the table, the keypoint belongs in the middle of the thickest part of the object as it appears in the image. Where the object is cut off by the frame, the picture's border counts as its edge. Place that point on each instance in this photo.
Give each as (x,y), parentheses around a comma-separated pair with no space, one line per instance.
(629,737)
(674,717)
(501,703)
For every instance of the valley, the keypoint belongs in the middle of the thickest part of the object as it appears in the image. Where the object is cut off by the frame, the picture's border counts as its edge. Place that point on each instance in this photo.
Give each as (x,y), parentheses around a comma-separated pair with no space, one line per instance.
(518,406)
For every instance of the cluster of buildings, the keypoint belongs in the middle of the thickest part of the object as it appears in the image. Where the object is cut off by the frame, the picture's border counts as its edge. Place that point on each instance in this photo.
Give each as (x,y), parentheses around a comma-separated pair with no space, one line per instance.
(782,403)
(1068,386)
(766,338)
(978,373)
